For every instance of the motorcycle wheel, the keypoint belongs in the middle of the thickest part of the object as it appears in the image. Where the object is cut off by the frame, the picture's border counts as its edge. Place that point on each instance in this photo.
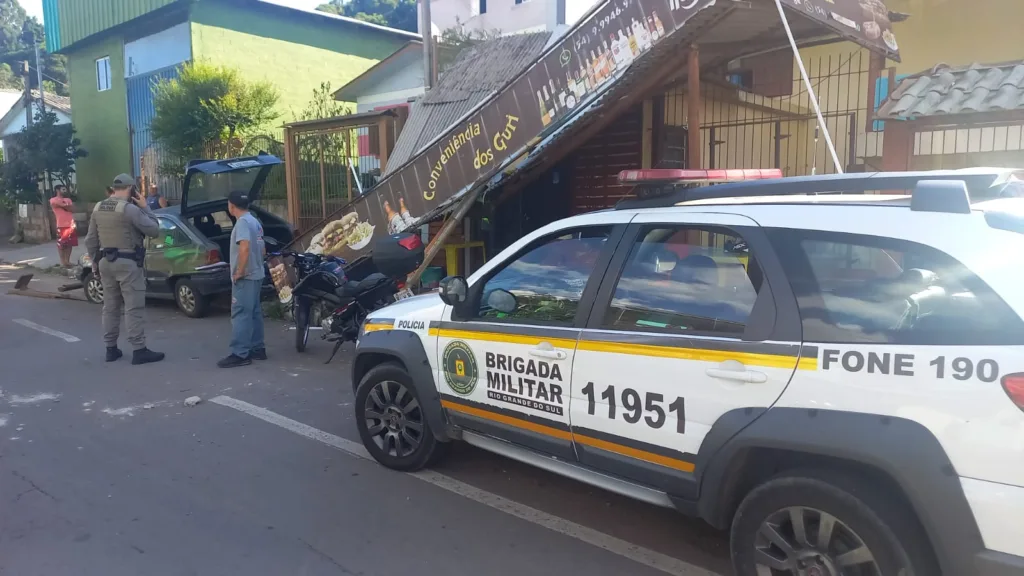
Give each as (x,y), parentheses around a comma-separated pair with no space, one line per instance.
(301,314)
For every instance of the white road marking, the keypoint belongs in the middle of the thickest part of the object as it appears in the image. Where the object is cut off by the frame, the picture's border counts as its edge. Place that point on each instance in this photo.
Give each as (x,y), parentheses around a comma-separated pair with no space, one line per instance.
(656,560)
(36,398)
(45,330)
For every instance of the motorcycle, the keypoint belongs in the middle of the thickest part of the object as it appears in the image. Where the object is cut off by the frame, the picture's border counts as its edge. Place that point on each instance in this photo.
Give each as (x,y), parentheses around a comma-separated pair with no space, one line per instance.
(324,290)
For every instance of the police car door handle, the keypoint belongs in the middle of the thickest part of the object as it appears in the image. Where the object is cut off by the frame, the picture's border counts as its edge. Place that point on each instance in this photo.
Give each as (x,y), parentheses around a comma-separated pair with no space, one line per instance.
(545,350)
(745,376)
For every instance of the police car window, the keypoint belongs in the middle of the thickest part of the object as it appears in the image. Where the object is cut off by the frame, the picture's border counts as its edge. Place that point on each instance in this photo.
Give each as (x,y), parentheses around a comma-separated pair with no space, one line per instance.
(866,289)
(548,279)
(685,279)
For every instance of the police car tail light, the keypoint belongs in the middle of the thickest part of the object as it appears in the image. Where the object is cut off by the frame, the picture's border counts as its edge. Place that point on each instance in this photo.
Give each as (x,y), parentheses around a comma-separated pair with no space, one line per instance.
(1013,384)
(669,176)
(213,256)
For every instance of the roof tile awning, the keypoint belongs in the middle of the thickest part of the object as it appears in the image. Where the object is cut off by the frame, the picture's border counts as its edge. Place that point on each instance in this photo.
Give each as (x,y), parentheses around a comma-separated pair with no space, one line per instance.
(945,91)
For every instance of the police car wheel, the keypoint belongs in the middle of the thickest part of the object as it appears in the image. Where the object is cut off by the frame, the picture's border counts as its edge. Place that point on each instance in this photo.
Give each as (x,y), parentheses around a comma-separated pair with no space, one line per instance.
(189,300)
(93,288)
(820,525)
(392,422)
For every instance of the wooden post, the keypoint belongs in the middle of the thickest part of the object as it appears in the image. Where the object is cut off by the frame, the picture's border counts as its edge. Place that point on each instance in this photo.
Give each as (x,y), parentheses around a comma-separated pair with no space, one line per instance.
(346,147)
(382,136)
(875,66)
(693,109)
(437,242)
(291,176)
(323,178)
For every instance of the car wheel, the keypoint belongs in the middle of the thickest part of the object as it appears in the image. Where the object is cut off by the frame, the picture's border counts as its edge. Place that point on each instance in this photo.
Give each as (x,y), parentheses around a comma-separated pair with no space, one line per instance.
(392,422)
(93,288)
(825,525)
(189,300)
(301,315)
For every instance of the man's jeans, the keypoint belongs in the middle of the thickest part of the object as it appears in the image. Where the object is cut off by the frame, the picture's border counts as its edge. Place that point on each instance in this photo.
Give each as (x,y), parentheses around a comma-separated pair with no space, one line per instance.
(246,317)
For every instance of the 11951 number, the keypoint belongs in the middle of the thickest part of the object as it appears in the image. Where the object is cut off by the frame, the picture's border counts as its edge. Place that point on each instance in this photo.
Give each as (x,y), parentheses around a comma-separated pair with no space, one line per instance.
(651,408)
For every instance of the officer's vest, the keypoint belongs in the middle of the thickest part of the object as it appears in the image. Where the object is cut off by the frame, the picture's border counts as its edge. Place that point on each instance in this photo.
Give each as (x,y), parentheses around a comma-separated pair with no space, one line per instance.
(115,229)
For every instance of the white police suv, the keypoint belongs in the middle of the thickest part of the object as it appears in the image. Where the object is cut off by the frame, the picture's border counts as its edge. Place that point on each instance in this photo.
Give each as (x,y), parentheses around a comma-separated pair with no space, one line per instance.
(831,367)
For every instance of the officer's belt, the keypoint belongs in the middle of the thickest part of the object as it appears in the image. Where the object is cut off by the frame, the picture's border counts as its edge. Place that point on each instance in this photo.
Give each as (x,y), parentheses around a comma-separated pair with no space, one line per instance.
(112,254)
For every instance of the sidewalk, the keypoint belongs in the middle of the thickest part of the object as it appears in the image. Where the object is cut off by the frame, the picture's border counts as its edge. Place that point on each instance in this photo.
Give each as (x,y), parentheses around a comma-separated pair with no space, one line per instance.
(36,255)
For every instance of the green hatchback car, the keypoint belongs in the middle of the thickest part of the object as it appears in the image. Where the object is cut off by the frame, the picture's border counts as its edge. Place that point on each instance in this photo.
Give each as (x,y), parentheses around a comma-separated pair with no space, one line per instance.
(189,261)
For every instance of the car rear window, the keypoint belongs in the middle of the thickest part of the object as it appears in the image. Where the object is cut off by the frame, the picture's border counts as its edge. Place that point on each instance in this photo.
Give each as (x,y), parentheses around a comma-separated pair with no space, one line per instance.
(865,289)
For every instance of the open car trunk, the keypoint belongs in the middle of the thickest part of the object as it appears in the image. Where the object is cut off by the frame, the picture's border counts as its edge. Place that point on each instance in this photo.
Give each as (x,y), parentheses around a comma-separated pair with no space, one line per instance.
(205,192)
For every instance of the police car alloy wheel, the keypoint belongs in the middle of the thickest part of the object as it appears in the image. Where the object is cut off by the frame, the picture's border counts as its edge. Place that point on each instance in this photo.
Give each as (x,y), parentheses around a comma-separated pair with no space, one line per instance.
(824,525)
(391,420)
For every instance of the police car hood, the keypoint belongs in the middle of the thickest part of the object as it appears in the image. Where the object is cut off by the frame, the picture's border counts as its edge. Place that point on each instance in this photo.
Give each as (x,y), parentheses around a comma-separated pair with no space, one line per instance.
(423,307)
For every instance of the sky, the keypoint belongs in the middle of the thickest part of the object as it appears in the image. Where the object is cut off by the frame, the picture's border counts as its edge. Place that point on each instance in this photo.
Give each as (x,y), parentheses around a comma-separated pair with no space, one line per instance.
(35,7)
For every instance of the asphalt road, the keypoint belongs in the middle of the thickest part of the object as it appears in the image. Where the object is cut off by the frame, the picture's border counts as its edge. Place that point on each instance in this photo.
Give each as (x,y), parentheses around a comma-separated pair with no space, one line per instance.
(104,471)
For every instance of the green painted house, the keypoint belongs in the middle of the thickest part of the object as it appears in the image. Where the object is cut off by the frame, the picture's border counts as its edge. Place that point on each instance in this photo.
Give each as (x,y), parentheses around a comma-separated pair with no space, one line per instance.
(116,49)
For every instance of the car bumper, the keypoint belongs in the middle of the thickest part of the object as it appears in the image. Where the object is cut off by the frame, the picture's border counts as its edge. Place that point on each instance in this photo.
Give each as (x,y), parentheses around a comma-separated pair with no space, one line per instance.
(212,282)
(992,563)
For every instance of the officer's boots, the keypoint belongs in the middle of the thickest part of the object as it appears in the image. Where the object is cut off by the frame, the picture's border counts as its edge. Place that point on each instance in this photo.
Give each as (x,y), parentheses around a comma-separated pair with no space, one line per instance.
(146,356)
(113,353)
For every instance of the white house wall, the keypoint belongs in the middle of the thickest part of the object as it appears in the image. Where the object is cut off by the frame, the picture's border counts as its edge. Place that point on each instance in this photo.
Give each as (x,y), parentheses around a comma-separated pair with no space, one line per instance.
(165,48)
(505,15)
(17,123)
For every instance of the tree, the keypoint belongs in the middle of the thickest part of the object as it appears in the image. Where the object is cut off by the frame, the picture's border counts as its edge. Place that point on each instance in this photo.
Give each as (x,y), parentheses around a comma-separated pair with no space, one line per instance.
(456,39)
(19,34)
(399,14)
(45,151)
(205,111)
(323,105)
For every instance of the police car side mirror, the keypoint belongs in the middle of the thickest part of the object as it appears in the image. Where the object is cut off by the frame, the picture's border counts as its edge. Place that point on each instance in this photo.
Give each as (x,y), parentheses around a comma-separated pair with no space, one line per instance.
(454,290)
(502,300)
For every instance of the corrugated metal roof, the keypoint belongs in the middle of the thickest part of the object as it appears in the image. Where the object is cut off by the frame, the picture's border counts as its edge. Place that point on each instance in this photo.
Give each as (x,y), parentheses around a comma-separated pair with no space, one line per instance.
(476,73)
(944,90)
(10,96)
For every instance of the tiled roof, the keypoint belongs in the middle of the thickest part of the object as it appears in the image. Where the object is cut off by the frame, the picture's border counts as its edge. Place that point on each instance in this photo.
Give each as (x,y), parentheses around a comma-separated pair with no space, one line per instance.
(944,90)
(474,75)
(62,103)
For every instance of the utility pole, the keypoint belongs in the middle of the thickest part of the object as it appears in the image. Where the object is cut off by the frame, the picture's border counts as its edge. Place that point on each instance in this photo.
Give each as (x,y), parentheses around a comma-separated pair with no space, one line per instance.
(25,78)
(427,33)
(39,77)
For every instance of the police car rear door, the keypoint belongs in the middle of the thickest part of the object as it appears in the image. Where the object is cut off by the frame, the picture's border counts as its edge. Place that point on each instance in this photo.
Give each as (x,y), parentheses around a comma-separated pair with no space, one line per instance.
(505,359)
(693,321)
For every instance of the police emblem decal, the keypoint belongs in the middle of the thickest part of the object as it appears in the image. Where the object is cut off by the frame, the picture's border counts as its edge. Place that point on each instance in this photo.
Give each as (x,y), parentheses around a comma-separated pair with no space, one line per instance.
(460,369)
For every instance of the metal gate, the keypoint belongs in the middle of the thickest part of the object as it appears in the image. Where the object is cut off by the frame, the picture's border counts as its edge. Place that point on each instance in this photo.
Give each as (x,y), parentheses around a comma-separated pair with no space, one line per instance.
(140,115)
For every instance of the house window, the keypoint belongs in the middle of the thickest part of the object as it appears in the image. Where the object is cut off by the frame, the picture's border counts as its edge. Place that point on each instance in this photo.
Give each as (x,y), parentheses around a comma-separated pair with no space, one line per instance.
(483,6)
(103,74)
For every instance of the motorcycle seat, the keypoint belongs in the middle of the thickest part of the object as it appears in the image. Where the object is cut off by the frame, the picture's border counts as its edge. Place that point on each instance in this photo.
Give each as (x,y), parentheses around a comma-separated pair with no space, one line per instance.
(351,289)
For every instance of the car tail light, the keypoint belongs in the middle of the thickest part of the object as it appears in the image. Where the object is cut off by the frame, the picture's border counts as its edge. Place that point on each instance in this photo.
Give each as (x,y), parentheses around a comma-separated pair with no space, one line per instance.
(671,176)
(400,284)
(411,242)
(213,256)
(1013,384)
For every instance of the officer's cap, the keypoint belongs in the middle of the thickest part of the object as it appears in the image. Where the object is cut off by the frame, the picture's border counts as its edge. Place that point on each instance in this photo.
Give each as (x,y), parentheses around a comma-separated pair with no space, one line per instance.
(123,181)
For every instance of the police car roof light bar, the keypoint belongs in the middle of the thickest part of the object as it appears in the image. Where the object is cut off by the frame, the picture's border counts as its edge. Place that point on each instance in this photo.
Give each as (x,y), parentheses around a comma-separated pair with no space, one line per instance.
(672,176)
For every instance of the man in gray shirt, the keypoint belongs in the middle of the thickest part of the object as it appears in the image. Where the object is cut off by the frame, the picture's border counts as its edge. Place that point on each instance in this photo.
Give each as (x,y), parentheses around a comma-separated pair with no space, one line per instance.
(247,254)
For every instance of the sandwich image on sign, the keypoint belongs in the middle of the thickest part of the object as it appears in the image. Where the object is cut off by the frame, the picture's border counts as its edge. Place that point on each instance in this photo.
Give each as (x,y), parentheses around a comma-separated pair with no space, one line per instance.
(346,232)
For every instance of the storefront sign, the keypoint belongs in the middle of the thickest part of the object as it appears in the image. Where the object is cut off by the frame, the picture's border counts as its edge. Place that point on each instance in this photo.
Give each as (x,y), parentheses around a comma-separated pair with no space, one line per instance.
(569,76)
(863,21)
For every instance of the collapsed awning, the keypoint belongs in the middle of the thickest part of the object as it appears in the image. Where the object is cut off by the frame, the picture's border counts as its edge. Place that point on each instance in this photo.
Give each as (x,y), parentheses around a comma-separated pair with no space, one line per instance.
(620,50)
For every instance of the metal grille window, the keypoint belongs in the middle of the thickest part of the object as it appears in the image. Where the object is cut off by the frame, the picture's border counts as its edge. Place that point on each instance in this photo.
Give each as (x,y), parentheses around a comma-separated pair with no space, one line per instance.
(103,79)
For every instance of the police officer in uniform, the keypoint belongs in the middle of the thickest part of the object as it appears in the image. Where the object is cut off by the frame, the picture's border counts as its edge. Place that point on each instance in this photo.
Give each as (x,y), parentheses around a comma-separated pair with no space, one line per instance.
(114,243)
